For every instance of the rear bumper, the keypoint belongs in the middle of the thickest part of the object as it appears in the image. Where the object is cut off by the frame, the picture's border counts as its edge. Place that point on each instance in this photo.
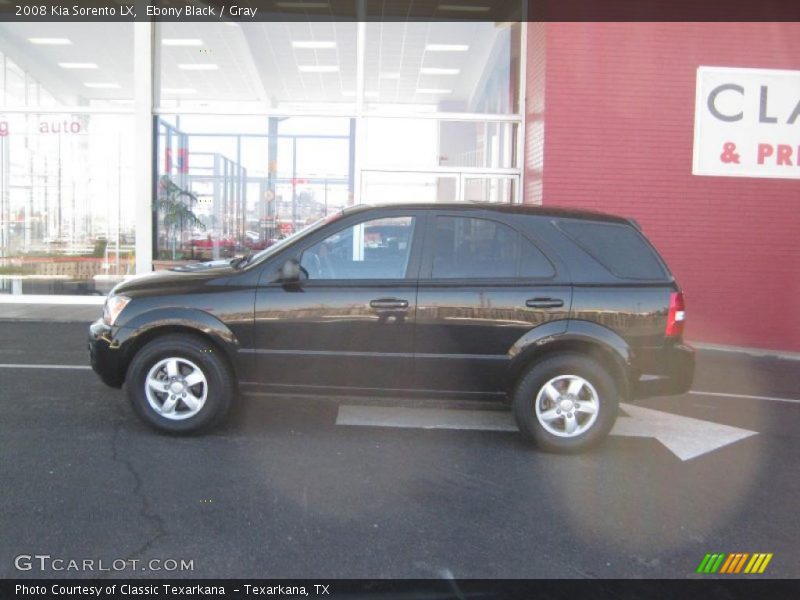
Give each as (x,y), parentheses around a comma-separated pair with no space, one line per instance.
(673,376)
(106,360)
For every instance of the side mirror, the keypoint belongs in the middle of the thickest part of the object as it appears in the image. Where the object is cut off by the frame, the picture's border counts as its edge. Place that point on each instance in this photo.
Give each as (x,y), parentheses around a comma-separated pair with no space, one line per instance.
(290,271)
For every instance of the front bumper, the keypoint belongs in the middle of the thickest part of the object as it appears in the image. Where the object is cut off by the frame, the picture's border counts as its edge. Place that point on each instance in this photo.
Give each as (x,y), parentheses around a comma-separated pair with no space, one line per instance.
(674,375)
(105,358)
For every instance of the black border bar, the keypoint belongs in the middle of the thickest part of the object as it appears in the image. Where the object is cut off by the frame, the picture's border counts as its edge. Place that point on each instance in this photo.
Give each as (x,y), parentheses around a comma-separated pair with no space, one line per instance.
(405,589)
(398,10)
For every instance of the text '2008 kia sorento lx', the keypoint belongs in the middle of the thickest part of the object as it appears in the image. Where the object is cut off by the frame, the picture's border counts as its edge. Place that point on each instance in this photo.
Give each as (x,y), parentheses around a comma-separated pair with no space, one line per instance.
(563,313)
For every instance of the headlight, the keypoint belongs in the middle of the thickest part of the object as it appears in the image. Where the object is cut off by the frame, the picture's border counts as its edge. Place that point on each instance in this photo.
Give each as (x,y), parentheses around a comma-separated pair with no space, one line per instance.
(113,307)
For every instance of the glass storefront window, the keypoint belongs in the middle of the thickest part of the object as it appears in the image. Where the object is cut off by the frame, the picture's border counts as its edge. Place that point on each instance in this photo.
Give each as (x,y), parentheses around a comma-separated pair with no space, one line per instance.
(249,180)
(393,142)
(489,189)
(65,228)
(68,65)
(235,185)
(381,187)
(240,160)
(14,84)
(66,182)
(469,67)
(257,66)
(401,157)
(441,66)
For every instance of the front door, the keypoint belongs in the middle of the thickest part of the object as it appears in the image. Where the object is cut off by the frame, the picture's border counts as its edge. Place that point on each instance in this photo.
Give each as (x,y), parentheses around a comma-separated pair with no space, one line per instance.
(349,322)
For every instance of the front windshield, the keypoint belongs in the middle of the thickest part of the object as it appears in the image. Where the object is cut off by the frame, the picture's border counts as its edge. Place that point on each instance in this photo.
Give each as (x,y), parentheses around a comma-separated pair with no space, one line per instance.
(281,244)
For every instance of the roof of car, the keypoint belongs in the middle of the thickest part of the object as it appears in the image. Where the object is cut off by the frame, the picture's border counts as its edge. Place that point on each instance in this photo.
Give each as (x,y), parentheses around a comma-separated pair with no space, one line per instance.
(526,209)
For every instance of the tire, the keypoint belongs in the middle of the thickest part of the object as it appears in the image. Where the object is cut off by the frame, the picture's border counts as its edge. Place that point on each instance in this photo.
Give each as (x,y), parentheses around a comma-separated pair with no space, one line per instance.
(198,384)
(589,409)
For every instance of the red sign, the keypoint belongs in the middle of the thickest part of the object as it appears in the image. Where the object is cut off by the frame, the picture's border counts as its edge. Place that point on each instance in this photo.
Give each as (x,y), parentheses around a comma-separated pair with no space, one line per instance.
(182,162)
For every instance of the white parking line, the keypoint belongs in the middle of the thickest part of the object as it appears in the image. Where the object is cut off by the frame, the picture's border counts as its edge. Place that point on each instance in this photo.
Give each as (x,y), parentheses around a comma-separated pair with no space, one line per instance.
(729,395)
(425,418)
(500,428)
(75,367)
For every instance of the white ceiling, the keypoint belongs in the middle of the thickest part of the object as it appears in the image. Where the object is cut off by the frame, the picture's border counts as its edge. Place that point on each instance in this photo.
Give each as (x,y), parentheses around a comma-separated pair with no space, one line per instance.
(258,64)
(109,45)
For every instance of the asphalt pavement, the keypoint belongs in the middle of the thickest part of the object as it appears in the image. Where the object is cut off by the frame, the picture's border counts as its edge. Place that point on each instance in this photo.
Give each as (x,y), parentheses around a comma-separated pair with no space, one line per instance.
(282,490)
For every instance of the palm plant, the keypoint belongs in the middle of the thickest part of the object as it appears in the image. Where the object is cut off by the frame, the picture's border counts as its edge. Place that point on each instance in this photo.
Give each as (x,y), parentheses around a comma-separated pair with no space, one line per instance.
(175,213)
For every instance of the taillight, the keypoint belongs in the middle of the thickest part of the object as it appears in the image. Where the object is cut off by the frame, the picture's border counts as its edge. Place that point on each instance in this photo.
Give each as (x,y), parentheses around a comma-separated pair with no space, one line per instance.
(676,316)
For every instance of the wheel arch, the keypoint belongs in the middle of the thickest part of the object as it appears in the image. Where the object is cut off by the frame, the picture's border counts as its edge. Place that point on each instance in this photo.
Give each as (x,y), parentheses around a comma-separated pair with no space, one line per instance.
(592,340)
(148,326)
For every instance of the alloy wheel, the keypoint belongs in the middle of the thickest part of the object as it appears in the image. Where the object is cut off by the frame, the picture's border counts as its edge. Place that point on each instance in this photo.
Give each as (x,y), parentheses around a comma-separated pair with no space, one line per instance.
(567,406)
(176,388)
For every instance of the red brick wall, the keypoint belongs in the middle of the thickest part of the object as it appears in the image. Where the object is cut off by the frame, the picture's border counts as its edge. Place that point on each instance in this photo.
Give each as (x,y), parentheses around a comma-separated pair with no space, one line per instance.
(618,118)
(534,113)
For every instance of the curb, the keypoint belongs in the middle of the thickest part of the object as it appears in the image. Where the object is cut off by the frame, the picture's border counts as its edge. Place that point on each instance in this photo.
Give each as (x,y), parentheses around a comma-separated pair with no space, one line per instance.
(55,300)
(756,352)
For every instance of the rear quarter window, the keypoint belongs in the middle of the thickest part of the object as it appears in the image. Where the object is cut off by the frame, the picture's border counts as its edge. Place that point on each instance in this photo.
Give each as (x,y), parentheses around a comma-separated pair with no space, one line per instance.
(620,248)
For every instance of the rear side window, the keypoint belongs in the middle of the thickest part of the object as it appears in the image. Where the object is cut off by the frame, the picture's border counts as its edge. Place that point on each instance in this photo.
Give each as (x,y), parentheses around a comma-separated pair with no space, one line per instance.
(470,248)
(619,248)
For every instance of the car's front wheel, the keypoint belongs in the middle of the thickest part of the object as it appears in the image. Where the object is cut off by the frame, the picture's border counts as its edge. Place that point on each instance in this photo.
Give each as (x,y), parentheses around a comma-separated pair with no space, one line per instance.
(566,403)
(179,384)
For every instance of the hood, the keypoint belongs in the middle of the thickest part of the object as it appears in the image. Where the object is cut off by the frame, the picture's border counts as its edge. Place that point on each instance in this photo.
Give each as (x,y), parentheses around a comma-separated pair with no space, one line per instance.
(175,279)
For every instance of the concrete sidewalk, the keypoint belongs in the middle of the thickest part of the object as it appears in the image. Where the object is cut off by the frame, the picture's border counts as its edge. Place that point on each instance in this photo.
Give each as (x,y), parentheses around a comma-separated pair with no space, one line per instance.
(63,309)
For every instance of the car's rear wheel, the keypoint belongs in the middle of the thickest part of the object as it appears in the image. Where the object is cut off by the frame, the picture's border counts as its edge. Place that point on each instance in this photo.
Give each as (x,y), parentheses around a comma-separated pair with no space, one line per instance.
(566,403)
(179,383)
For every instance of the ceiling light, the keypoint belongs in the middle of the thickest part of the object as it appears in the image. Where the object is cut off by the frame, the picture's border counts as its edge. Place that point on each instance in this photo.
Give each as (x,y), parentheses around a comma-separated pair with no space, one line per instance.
(446,47)
(181,91)
(103,86)
(77,65)
(319,68)
(198,67)
(302,4)
(438,71)
(433,91)
(389,75)
(182,42)
(463,8)
(46,41)
(312,45)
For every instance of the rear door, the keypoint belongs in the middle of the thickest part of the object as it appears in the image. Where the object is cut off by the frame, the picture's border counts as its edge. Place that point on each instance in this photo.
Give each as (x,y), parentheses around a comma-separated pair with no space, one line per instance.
(483,285)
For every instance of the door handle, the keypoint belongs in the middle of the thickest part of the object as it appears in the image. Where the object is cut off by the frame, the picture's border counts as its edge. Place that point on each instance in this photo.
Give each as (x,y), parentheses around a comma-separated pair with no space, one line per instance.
(544,303)
(388,303)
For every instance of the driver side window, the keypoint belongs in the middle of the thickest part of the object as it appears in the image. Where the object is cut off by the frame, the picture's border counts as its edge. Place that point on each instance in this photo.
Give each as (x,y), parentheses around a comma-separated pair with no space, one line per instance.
(376,249)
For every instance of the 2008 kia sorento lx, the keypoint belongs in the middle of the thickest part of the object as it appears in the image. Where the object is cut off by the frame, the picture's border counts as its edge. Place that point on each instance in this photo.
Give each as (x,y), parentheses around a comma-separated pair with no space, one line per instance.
(564,313)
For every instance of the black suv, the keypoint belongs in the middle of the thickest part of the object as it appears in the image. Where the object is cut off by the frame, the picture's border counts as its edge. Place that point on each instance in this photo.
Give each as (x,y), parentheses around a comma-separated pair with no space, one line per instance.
(562,312)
